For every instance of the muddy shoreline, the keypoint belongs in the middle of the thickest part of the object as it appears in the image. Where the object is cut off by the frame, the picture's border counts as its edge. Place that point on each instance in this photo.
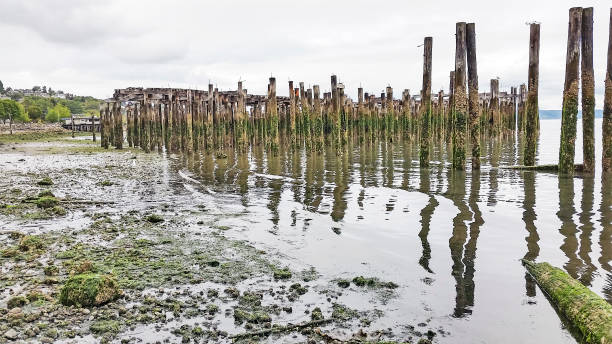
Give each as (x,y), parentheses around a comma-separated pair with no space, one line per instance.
(180,278)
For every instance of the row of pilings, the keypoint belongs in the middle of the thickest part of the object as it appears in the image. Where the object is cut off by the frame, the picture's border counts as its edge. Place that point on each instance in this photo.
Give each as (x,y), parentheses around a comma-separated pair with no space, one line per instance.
(213,120)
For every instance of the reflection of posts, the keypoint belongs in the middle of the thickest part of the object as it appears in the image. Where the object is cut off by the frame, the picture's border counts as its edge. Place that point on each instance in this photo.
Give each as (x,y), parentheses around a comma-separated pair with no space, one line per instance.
(470,247)
(605,237)
(586,229)
(426,215)
(532,238)
(457,241)
(568,227)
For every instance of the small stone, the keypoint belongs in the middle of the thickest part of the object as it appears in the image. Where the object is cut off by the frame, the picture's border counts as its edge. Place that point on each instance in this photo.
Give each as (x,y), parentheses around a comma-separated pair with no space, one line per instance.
(11,334)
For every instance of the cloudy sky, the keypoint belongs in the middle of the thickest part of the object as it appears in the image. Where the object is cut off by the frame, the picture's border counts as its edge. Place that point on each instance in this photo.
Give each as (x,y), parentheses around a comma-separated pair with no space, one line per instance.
(92,47)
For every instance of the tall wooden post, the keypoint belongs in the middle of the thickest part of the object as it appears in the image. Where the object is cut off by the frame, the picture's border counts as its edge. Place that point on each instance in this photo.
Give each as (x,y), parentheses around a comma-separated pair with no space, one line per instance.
(474,107)
(72,121)
(426,104)
(570,94)
(103,137)
(588,91)
(118,125)
(334,94)
(128,116)
(606,161)
(494,107)
(451,107)
(460,99)
(531,117)
(93,128)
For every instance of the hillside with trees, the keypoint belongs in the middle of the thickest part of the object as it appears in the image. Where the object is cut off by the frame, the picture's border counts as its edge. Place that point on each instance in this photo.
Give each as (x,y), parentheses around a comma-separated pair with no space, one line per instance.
(42,103)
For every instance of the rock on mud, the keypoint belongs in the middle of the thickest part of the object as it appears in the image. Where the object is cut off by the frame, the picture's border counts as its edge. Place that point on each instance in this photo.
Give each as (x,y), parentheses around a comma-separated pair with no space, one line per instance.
(89,290)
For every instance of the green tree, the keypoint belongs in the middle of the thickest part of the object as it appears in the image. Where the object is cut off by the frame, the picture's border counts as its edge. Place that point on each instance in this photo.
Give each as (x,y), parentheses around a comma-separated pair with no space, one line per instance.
(16,95)
(56,113)
(74,106)
(1,87)
(35,112)
(13,111)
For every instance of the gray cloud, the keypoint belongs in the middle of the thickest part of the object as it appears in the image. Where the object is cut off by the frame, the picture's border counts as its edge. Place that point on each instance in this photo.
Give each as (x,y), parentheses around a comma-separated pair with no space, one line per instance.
(89,47)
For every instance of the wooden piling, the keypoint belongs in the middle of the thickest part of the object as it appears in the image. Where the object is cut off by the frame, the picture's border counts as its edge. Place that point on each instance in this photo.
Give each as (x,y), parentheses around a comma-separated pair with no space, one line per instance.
(570,94)
(531,111)
(426,103)
(474,109)
(93,128)
(588,91)
(460,99)
(118,125)
(606,161)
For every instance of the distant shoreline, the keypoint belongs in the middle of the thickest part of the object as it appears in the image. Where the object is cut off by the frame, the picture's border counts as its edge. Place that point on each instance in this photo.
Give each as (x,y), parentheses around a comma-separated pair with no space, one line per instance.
(556,114)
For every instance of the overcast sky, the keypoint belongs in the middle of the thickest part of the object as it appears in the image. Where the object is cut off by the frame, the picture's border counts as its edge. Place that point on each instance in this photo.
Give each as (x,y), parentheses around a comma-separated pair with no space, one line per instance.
(92,47)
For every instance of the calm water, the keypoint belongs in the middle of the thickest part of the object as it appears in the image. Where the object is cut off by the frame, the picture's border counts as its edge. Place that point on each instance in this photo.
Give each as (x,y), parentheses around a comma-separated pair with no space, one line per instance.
(452,240)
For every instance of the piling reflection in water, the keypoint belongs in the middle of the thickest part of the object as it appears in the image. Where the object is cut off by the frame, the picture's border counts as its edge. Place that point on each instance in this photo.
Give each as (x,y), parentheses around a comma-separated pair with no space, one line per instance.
(366,180)
(532,238)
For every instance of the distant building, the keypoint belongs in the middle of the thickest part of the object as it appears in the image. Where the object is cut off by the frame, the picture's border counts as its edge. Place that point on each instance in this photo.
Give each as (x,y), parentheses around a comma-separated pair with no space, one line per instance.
(81,123)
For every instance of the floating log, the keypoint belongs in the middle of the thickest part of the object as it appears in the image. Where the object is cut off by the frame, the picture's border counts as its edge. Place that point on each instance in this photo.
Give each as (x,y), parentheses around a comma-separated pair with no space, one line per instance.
(587,312)
(543,168)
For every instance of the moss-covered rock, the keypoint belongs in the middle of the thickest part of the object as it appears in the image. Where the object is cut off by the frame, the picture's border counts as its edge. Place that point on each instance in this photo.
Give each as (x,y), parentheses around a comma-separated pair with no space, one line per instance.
(283,273)
(46,202)
(89,290)
(316,314)
(31,243)
(363,281)
(154,218)
(257,317)
(45,193)
(17,301)
(105,326)
(45,181)
(588,312)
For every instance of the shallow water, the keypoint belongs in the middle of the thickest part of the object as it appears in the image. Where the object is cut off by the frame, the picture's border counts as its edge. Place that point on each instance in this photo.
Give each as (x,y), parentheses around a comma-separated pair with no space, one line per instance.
(452,240)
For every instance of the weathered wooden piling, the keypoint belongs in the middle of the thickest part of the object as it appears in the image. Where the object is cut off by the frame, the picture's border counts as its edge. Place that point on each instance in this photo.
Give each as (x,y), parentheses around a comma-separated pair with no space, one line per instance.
(570,94)
(588,91)
(103,138)
(460,99)
(118,125)
(606,161)
(474,108)
(531,111)
(426,103)
(93,128)
(494,117)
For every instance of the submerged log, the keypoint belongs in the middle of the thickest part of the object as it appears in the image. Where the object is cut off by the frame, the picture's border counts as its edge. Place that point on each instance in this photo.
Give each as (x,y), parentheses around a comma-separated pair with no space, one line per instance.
(588,313)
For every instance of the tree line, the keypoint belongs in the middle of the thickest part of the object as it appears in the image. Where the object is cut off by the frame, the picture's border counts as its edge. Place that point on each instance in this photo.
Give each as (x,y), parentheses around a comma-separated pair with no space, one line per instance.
(45,109)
